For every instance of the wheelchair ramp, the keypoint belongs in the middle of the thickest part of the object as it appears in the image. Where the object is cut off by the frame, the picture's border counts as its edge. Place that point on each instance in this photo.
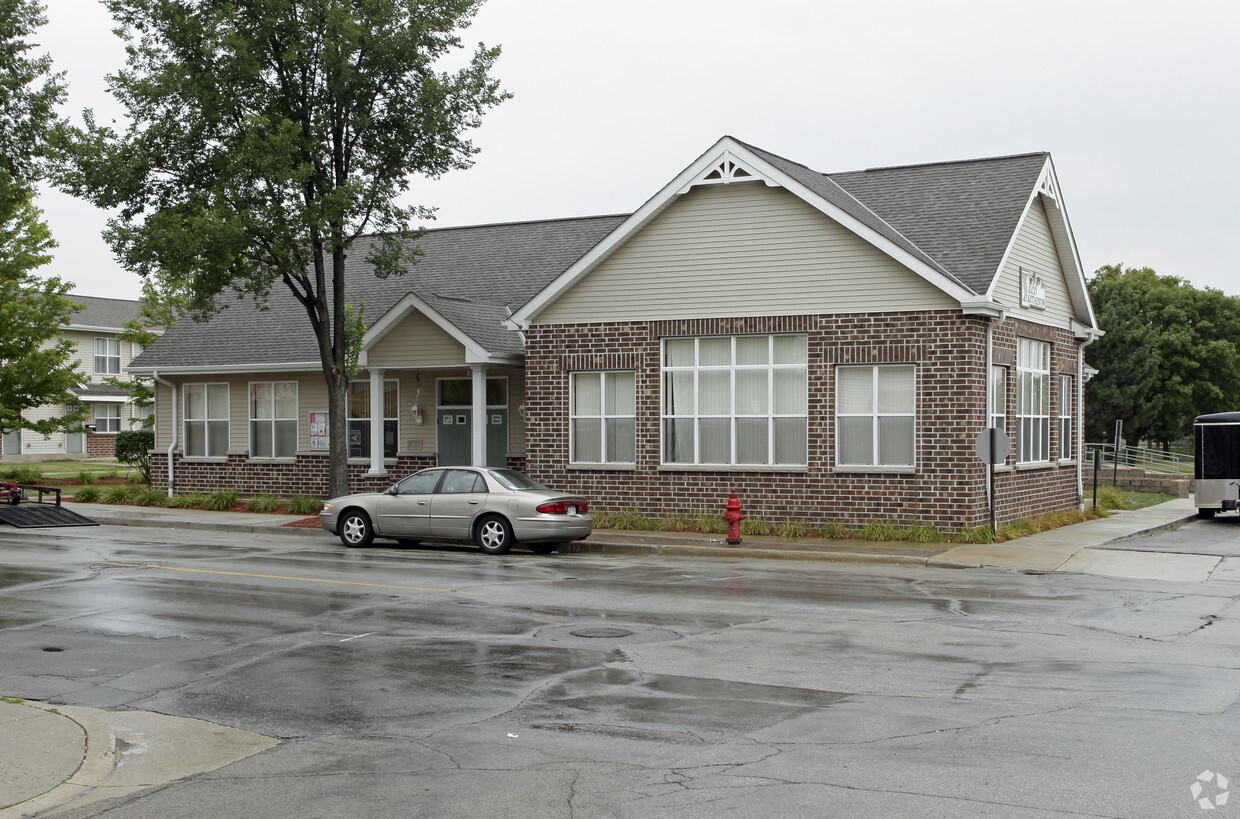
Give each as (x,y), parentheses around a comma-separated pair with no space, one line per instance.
(38,515)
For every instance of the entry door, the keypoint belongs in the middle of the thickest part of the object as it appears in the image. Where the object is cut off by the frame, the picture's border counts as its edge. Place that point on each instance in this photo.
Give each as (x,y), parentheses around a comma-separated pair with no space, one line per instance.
(75,441)
(456,437)
(13,442)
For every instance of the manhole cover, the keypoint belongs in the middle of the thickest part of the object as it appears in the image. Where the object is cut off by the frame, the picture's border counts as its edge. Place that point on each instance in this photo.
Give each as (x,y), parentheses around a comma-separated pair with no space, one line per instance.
(601,632)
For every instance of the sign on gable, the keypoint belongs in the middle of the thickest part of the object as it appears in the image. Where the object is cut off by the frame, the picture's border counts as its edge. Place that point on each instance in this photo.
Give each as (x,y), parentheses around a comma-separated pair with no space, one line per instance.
(1032,290)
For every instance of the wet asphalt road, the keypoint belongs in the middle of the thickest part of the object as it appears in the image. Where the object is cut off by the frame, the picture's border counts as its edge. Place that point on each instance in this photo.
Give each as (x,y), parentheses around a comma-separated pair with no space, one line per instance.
(441,682)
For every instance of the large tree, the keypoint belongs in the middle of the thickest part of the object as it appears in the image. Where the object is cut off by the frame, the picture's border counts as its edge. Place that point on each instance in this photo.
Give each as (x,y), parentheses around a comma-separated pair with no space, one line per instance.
(1171,352)
(35,370)
(266,136)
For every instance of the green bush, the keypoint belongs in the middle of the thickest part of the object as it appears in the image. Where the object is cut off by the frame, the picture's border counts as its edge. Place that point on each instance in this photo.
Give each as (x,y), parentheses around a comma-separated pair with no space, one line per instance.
(116,494)
(87,494)
(25,474)
(793,528)
(194,500)
(710,524)
(133,447)
(1111,498)
(880,530)
(976,534)
(755,527)
(149,497)
(221,501)
(85,478)
(924,533)
(834,530)
(265,502)
(304,505)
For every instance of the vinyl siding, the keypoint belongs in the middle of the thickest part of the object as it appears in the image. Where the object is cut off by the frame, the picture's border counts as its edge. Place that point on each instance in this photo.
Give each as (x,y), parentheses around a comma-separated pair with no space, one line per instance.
(742,250)
(416,342)
(1034,249)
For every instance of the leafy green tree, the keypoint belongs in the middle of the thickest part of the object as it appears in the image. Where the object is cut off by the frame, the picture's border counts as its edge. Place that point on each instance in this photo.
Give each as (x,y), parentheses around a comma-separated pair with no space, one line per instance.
(162,303)
(1171,352)
(34,369)
(134,447)
(266,136)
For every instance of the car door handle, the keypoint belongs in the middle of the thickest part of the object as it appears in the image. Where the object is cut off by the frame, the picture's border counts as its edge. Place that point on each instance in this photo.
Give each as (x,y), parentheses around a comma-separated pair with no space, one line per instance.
(473,503)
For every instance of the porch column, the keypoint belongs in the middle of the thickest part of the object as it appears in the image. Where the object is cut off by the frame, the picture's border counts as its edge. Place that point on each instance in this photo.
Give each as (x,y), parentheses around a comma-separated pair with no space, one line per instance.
(478,444)
(376,423)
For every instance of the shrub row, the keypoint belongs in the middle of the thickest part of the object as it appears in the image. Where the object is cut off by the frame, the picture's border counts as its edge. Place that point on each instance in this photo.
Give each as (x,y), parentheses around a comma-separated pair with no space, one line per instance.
(222,500)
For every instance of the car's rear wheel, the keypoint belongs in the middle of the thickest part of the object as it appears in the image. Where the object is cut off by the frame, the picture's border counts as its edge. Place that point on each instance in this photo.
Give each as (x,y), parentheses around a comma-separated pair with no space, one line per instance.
(493,535)
(355,529)
(15,497)
(543,548)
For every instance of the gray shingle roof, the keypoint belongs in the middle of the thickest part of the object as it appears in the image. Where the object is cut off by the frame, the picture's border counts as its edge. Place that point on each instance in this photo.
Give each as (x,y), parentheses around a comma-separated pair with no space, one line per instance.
(103,313)
(955,217)
(468,274)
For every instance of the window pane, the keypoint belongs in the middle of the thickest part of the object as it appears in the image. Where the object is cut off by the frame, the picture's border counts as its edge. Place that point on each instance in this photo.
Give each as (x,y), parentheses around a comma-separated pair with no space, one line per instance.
(791,349)
(791,392)
(752,441)
(217,438)
(856,390)
(715,352)
(456,392)
(390,431)
(286,439)
(715,441)
(286,399)
(217,401)
(678,441)
(195,402)
(587,440)
(678,352)
(391,399)
(621,441)
(678,393)
(751,392)
(895,389)
(753,349)
(260,439)
(621,394)
(359,439)
(195,439)
(359,399)
(587,394)
(790,441)
(497,392)
(895,441)
(421,483)
(856,443)
(715,392)
(260,401)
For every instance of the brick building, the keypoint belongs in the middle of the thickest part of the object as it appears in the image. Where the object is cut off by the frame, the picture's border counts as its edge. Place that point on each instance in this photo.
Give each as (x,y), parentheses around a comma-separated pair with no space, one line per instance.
(829,346)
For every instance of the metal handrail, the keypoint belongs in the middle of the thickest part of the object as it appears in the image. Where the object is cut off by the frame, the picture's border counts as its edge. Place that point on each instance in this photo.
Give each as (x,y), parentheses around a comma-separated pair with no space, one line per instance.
(1151,460)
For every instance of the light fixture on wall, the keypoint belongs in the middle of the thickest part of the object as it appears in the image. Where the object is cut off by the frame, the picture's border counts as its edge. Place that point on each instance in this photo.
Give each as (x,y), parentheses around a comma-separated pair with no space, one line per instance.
(417,413)
(521,411)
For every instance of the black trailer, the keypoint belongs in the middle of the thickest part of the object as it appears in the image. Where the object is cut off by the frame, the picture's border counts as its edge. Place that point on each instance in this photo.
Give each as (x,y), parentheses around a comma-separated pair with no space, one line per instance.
(1216,466)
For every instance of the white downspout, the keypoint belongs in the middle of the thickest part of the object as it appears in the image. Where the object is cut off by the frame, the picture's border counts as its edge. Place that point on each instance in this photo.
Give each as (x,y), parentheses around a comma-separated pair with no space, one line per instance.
(172,446)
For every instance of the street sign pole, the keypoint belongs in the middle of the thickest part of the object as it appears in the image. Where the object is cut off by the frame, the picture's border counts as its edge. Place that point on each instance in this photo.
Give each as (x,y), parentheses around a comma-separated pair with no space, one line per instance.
(994,529)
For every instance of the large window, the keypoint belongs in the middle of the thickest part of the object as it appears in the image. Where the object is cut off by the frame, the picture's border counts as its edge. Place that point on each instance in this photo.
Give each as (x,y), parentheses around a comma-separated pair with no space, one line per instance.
(107,417)
(1065,417)
(1033,401)
(359,418)
(876,416)
(107,356)
(602,418)
(273,419)
(206,420)
(735,400)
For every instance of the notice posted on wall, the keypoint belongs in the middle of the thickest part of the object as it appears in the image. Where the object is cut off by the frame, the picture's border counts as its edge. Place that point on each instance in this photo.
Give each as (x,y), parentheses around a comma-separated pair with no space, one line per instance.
(318,431)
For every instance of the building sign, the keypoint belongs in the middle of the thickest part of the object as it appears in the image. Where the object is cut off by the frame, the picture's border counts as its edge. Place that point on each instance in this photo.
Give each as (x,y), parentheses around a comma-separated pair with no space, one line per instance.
(1032,290)
(318,431)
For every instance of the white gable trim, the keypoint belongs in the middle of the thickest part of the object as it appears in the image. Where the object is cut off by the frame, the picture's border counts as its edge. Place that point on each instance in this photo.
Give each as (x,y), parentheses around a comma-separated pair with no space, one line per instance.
(475,353)
(728,149)
(1047,187)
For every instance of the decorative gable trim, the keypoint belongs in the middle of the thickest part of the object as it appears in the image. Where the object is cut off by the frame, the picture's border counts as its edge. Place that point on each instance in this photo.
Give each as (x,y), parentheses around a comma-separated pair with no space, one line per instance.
(727,170)
(725,150)
(475,353)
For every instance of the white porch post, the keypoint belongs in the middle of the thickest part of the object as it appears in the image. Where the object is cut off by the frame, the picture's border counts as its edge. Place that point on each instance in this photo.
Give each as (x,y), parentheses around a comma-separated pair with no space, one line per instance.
(376,423)
(478,444)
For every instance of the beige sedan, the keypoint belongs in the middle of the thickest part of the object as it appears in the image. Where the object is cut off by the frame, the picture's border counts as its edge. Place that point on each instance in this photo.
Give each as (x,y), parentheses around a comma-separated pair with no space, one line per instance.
(494,508)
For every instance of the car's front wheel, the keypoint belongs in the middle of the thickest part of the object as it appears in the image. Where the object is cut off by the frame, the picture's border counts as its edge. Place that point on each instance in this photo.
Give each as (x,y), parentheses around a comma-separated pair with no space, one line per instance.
(355,529)
(493,535)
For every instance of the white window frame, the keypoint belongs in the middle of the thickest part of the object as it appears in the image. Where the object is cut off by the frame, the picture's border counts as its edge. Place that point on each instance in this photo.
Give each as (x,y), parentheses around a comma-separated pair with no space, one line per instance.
(733,418)
(1033,401)
(207,420)
(387,419)
(998,397)
(1066,400)
(274,421)
(876,415)
(110,357)
(111,419)
(606,420)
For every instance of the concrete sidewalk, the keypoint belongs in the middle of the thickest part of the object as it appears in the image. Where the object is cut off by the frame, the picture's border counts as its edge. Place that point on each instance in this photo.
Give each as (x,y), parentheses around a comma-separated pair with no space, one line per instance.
(53,755)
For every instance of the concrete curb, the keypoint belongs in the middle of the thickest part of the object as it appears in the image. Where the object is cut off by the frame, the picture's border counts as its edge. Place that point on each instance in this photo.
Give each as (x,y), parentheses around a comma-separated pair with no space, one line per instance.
(98,763)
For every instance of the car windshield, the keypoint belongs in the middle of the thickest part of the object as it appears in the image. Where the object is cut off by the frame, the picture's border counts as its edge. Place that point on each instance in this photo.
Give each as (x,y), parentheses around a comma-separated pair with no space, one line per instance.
(515,480)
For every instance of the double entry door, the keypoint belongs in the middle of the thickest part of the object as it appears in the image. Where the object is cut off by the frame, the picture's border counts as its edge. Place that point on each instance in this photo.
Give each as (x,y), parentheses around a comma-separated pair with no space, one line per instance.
(454,421)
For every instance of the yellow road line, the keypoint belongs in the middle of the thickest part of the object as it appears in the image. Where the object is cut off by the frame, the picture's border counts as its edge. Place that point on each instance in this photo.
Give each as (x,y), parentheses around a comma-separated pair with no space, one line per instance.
(278,577)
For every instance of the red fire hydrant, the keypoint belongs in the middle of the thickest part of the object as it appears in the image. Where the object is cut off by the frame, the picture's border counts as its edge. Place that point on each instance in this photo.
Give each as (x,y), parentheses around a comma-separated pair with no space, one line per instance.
(733,517)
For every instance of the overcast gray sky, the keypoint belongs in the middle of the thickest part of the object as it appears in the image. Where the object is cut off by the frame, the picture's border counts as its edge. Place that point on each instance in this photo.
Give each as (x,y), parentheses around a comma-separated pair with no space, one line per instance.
(1137,102)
